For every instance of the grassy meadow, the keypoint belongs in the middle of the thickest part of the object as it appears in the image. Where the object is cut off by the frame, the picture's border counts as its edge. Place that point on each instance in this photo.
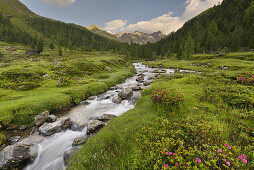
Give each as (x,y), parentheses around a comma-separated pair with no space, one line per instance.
(210,127)
(30,85)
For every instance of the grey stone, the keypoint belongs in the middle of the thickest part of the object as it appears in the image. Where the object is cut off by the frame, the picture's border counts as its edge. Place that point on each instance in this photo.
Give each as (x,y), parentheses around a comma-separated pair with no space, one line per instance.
(23,127)
(79,141)
(41,118)
(136,88)
(94,126)
(49,129)
(68,154)
(66,124)
(14,139)
(106,117)
(17,156)
(51,118)
(84,103)
(125,93)
(117,99)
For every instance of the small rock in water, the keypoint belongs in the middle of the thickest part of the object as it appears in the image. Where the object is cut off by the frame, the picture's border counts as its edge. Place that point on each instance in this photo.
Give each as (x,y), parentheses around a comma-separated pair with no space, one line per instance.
(49,129)
(94,126)
(136,88)
(41,118)
(92,98)
(125,93)
(66,124)
(67,155)
(84,103)
(79,141)
(51,118)
(117,99)
(14,139)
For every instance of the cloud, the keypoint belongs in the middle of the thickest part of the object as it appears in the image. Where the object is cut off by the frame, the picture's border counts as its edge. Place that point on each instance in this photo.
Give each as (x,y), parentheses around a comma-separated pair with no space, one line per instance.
(115,25)
(165,23)
(61,3)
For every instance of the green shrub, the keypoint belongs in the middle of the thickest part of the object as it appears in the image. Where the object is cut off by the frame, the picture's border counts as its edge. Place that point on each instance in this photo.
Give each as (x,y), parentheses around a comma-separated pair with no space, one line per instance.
(165,99)
(189,144)
(2,139)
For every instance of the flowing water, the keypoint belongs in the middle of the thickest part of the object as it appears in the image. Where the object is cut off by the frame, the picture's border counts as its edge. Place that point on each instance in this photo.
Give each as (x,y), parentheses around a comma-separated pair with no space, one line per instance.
(51,149)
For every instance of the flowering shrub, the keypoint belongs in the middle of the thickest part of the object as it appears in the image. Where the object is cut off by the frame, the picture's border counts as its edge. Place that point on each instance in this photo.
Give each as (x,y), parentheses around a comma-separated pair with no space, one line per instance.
(189,144)
(166,99)
(246,78)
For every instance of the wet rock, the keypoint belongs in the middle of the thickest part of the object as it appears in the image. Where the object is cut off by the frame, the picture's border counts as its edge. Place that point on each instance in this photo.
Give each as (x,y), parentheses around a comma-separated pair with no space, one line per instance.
(34,130)
(12,128)
(151,78)
(41,118)
(79,141)
(67,155)
(136,88)
(17,156)
(14,139)
(66,124)
(125,93)
(106,117)
(92,98)
(117,99)
(51,118)
(94,126)
(140,78)
(112,88)
(85,103)
(23,127)
(136,95)
(108,69)
(49,129)
(147,83)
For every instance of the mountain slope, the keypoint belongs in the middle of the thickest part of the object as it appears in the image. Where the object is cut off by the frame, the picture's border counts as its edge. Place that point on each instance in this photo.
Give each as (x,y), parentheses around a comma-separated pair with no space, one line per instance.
(227,25)
(97,30)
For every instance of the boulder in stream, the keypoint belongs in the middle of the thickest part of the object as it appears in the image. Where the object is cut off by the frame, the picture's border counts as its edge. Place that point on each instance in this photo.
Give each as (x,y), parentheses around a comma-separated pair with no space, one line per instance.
(49,129)
(41,118)
(125,93)
(94,126)
(117,99)
(51,118)
(67,155)
(17,156)
(66,123)
(79,141)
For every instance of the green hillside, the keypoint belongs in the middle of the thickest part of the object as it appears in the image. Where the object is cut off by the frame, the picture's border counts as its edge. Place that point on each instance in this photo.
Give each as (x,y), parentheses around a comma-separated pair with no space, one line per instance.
(228,26)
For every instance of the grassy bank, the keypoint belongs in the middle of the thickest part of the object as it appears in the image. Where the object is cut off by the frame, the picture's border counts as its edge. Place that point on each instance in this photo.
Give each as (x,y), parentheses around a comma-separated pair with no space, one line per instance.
(210,128)
(30,85)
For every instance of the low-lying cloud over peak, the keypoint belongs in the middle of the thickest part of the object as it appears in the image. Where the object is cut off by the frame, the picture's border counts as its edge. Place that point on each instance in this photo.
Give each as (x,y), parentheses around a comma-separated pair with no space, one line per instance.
(61,3)
(166,23)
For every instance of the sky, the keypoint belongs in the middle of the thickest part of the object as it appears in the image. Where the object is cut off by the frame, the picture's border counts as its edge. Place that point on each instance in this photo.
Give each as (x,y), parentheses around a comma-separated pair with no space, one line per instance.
(122,15)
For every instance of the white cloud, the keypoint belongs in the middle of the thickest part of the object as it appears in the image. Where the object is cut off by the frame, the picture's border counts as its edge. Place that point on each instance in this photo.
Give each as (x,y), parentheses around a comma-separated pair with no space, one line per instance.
(61,3)
(115,25)
(165,23)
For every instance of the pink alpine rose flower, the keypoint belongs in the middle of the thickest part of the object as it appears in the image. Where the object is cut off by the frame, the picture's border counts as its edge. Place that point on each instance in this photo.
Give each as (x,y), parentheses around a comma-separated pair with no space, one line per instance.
(198,160)
(245,161)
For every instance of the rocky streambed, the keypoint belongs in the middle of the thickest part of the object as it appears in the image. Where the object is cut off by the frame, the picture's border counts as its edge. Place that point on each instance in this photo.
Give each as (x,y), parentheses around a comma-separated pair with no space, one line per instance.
(52,141)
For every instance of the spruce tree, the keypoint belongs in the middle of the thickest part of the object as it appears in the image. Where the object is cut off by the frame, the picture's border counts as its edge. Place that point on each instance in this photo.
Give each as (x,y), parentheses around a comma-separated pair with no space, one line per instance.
(60,52)
(51,46)
(40,46)
(189,46)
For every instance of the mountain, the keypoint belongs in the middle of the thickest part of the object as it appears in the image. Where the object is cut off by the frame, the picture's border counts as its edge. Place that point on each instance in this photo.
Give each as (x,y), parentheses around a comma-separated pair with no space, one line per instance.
(141,38)
(227,26)
(97,30)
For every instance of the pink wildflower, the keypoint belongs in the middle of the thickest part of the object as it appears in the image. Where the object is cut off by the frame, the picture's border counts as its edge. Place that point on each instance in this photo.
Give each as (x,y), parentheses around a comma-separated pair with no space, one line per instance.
(240,157)
(228,163)
(219,151)
(174,154)
(176,164)
(167,153)
(226,144)
(170,153)
(244,161)
(244,156)
(229,147)
(224,160)
(166,165)
(198,160)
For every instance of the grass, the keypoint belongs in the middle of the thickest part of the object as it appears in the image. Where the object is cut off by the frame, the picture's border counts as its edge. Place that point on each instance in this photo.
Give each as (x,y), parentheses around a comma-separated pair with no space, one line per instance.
(29,84)
(214,102)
